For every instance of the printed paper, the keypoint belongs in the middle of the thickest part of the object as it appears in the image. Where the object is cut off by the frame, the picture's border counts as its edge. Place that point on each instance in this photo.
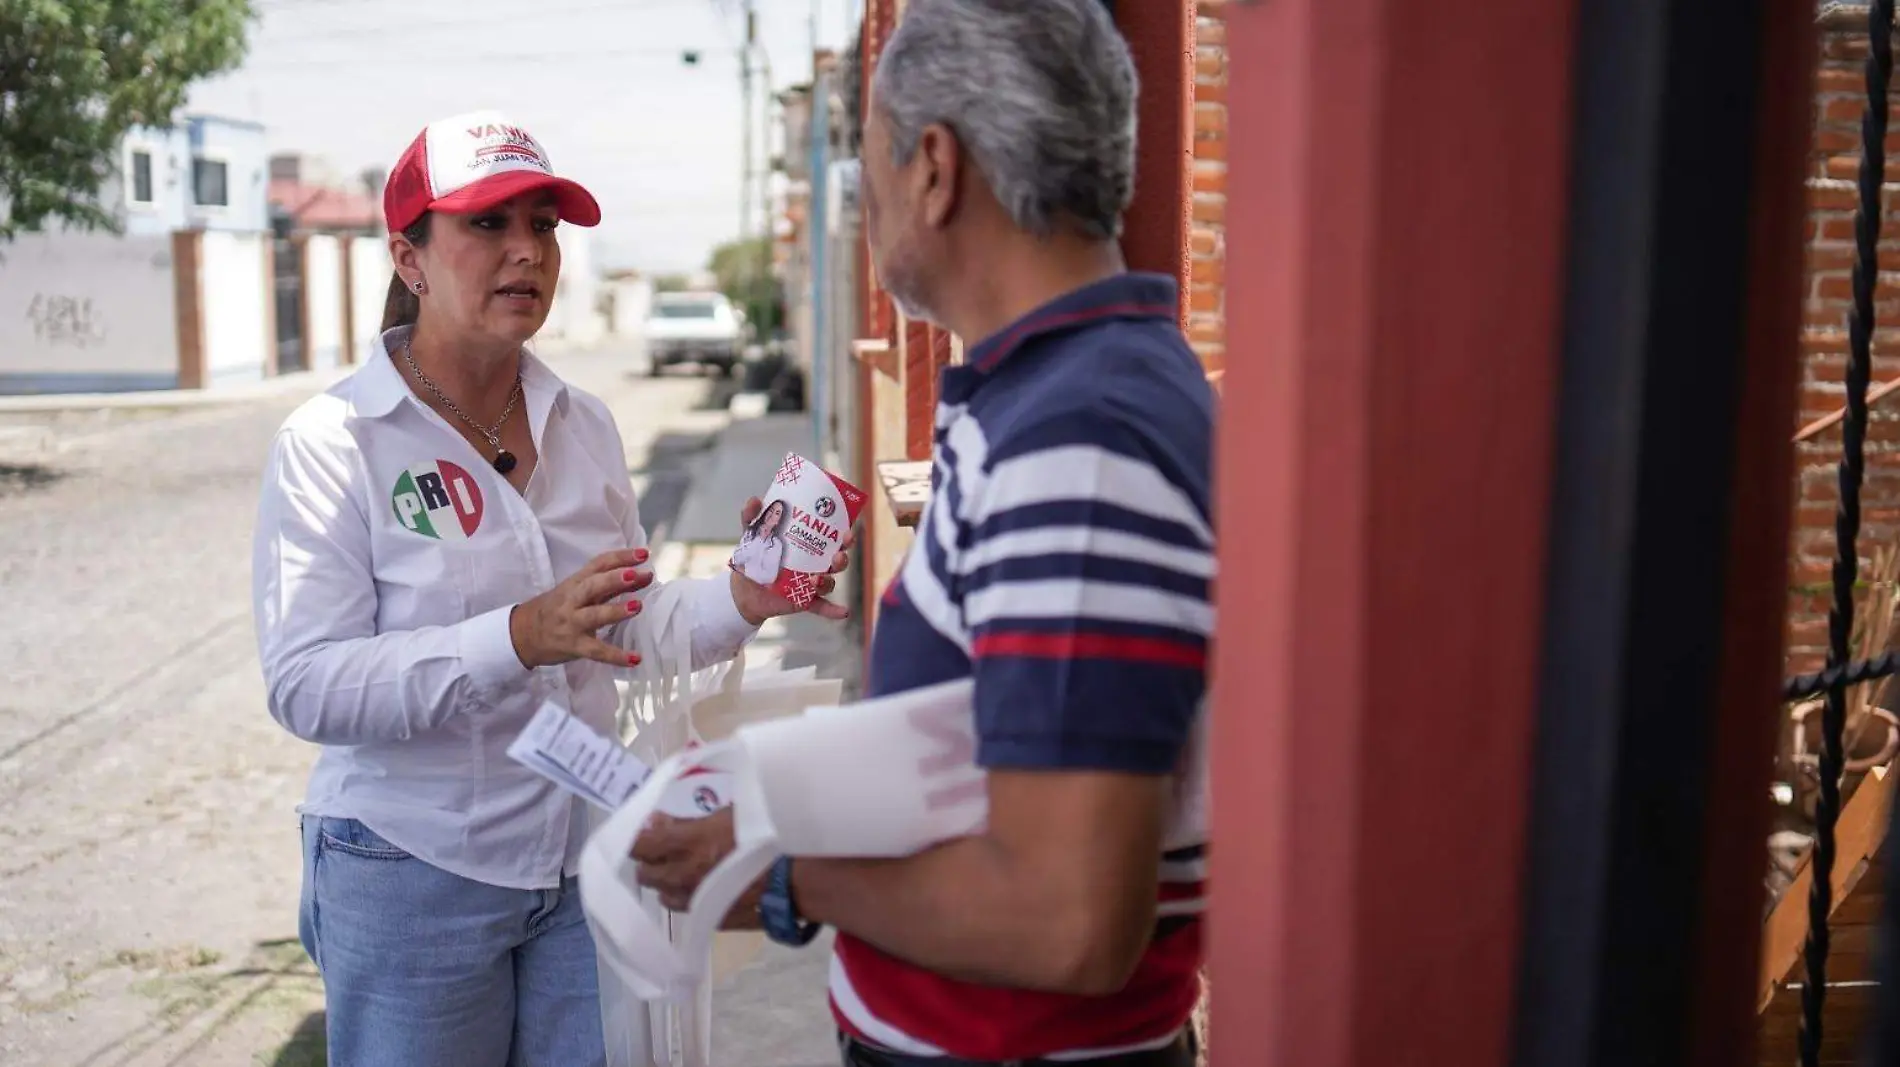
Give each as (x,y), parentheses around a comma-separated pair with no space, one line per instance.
(572,755)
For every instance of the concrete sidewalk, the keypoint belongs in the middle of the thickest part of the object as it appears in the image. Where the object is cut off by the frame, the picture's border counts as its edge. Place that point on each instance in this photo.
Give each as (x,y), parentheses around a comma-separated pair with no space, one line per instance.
(172,399)
(773,1012)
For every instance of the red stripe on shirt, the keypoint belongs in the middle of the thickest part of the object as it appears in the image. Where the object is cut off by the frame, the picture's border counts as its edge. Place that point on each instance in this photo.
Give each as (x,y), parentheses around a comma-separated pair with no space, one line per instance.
(1121,647)
(989,1024)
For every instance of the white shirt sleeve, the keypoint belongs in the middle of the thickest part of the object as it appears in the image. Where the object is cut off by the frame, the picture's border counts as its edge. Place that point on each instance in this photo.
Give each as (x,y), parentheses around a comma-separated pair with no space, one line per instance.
(719,632)
(330,677)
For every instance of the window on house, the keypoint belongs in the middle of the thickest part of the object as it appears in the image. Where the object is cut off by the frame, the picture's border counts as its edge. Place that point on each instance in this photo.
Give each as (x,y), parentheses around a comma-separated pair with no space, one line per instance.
(208,184)
(141,177)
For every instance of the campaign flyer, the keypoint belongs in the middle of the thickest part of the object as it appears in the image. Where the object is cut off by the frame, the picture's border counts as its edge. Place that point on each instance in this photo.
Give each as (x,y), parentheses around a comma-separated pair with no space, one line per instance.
(808,511)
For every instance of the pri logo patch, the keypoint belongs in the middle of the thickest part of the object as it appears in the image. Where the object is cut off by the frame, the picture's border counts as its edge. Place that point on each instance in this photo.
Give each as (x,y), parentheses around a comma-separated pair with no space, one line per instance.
(438,499)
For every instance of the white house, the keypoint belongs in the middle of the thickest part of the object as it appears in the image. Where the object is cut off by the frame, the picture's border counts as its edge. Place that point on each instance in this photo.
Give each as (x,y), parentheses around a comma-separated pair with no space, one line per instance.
(207,173)
(182,299)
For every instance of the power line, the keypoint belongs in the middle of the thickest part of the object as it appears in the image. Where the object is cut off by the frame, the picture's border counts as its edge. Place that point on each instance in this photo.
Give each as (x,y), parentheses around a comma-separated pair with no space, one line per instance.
(436,25)
(396,65)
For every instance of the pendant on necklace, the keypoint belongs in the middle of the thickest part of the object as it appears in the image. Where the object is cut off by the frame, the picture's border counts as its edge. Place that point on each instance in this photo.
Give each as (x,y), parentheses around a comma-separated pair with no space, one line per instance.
(504,461)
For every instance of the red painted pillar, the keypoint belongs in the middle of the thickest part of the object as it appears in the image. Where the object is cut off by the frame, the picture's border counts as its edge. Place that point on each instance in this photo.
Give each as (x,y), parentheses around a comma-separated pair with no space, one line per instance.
(880,19)
(878,318)
(920,387)
(1160,35)
(1395,251)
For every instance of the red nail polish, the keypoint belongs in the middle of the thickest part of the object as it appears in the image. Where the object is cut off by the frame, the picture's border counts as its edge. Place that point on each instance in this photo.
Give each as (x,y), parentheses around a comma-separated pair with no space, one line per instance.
(633,606)
(627,576)
(633,660)
(639,555)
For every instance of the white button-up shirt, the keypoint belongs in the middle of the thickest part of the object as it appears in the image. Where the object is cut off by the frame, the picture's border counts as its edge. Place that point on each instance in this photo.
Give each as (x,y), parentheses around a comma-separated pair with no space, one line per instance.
(387,558)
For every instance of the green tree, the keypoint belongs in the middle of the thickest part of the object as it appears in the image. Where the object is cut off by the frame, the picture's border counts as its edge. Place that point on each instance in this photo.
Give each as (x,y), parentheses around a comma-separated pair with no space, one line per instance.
(744,270)
(75,75)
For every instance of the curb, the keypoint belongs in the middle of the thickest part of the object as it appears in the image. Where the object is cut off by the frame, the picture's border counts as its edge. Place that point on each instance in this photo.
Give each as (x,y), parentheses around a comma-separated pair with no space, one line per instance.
(174,399)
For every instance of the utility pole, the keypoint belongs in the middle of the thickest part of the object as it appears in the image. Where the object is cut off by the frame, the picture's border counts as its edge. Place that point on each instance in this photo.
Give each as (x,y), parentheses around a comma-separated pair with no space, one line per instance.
(762,172)
(745,123)
(764,162)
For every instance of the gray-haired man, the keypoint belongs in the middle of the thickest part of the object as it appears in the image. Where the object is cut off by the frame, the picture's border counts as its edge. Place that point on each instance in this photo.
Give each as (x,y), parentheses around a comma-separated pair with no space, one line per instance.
(1065,562)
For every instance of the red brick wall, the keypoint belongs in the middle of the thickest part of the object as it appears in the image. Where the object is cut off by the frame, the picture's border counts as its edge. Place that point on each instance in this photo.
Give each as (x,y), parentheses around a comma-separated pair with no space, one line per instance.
(1834,155)
(1207,301)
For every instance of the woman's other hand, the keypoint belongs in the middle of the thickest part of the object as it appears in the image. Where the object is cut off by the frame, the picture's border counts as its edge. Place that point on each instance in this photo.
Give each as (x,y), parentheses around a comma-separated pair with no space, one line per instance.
(759,602)
(564,623)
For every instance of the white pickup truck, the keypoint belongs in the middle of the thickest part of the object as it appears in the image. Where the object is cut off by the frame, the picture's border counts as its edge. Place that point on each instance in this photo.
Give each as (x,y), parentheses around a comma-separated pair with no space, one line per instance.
(693,327)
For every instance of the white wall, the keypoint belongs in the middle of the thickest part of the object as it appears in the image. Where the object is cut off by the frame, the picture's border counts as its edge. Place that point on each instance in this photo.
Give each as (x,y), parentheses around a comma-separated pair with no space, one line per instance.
(632,298)
(323,298)
(369,284)
(236,296)
(573,320)
(87,312)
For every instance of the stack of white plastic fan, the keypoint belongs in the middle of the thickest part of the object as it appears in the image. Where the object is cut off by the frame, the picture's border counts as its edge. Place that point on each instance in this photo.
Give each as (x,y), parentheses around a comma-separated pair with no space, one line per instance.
(674,715)
(884,777)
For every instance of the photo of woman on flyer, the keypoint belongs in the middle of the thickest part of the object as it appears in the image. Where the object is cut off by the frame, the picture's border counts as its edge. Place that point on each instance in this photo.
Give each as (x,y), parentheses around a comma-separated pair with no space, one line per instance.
(761,550)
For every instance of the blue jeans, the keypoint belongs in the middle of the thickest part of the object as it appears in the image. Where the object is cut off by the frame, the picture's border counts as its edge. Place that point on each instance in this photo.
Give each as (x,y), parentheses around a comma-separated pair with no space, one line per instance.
(423,968)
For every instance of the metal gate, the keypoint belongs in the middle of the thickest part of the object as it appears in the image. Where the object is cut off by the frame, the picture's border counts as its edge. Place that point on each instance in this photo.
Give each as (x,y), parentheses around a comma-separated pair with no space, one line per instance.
(287,256)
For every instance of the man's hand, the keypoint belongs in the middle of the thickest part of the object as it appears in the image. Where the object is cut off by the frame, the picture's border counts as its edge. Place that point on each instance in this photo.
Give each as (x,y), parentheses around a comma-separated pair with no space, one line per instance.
(564,623)
(675,855)
(1057,893)
(759,603)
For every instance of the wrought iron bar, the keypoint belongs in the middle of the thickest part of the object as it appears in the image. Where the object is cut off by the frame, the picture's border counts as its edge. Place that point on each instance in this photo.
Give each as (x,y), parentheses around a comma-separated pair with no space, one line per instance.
(1871,180)
(1851,674)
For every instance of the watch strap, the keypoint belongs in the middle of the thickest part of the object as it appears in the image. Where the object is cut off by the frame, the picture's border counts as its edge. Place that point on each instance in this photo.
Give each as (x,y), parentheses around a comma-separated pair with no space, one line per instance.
(778,912)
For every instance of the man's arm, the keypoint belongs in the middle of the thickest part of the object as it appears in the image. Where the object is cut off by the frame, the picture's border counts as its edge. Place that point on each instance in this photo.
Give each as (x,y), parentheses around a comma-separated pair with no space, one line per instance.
(1085,584)
(1057,894)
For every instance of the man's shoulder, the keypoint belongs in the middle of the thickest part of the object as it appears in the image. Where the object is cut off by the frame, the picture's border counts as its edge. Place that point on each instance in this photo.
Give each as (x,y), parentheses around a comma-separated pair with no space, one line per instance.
(1125,387)
(1138,373)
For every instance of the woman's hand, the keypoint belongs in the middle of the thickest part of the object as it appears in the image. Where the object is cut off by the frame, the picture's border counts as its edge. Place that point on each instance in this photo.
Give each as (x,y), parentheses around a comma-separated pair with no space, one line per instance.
(759,602)
(563,623)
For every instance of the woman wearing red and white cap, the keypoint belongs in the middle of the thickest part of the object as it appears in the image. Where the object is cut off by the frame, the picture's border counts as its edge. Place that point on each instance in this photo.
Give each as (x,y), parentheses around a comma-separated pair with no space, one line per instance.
(447,541)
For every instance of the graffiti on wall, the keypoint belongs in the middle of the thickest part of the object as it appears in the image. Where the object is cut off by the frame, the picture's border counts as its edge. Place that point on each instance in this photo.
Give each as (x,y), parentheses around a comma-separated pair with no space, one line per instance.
(65,320)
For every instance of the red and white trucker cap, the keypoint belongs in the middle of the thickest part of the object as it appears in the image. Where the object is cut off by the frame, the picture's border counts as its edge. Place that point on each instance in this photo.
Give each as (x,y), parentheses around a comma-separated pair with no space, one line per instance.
(471,162)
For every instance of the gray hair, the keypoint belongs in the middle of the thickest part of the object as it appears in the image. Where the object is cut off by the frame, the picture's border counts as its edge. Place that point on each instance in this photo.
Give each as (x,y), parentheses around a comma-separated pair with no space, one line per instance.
(1041,93)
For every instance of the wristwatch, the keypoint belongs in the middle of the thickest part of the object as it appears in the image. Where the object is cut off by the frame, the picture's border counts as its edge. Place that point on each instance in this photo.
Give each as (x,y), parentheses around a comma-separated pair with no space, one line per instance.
(778,912)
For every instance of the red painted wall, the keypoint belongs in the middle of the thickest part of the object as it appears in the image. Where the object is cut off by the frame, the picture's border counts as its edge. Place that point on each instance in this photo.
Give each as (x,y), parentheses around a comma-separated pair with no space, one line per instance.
(1395,254)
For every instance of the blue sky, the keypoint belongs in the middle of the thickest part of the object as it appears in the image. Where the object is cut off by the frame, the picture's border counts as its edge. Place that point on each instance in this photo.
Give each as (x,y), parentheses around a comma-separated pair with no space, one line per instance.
(599,82)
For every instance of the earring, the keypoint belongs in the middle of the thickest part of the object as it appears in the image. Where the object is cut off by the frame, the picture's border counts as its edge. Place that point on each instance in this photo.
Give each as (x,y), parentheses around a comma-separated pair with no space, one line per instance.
(418,286)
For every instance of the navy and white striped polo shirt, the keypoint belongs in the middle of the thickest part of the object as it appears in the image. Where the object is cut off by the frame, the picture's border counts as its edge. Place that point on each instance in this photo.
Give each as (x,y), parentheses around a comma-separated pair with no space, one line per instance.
(1066,561)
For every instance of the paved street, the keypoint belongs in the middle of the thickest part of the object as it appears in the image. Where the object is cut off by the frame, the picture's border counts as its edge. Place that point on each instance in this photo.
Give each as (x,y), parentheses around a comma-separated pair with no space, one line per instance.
(149,863)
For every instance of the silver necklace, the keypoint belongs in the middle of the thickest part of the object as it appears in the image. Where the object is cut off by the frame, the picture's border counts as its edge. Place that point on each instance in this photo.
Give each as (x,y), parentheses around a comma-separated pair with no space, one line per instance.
(504,460)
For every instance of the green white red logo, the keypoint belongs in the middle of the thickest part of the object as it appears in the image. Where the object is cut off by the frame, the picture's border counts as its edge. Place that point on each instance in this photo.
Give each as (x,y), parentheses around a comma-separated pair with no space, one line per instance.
(438,499)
